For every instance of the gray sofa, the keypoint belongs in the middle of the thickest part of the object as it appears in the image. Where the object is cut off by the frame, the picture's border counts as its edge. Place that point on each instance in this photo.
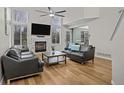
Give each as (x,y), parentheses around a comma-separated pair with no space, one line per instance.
(16,64)
(83,55)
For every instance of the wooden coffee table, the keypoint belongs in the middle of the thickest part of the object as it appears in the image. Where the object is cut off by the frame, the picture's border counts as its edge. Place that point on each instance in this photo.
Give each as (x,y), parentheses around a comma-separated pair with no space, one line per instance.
(51,57)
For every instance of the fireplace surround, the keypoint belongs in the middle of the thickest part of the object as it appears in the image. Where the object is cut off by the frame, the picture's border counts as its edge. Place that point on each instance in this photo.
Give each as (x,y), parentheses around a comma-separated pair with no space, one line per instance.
(40,46)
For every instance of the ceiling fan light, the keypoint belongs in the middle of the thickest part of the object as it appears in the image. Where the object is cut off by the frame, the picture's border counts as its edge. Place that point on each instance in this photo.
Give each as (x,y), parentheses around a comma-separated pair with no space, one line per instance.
(51,15)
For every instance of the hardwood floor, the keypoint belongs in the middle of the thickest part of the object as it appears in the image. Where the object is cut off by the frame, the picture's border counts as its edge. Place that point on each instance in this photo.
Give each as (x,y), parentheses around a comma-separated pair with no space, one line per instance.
(72,73)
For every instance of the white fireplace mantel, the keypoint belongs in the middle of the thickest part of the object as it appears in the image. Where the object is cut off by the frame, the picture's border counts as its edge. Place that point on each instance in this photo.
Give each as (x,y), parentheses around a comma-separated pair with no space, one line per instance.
(37,39)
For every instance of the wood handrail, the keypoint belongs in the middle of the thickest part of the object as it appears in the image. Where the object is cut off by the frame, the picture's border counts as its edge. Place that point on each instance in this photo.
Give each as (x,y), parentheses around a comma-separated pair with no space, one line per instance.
(117,25)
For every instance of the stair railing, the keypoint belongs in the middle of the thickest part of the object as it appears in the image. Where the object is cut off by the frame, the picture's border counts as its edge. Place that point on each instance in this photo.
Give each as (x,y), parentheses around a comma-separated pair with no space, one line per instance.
(118,23)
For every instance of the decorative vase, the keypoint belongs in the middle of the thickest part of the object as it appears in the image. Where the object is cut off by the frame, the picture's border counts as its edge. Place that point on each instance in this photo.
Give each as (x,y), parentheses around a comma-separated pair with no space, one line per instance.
(53,52)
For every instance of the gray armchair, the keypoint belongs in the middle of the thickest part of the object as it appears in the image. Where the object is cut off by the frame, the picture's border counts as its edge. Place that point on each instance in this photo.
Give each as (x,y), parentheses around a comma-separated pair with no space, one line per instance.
(15,67)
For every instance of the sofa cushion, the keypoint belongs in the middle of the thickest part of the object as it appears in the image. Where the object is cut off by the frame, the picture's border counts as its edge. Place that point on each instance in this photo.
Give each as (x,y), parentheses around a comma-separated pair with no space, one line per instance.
(25,55)
(24,50)
(77,54)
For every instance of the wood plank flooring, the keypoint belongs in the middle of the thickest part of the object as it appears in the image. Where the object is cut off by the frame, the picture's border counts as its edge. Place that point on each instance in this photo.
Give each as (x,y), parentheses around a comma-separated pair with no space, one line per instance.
(72,73)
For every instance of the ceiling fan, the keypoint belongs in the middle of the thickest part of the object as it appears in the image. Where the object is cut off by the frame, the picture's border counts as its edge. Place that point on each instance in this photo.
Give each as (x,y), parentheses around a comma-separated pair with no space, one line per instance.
(51,13)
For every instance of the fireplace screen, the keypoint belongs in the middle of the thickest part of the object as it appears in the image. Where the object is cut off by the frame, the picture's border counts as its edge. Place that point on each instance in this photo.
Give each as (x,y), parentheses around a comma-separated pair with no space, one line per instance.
(40,46)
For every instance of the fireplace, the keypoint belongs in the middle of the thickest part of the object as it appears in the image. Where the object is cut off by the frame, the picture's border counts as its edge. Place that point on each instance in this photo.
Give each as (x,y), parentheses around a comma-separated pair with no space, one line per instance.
(40,46)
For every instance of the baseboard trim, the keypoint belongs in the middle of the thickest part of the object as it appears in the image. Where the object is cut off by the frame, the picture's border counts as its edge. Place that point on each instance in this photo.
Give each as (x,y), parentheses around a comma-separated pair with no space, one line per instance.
(1,81)
(103,57)
(112,82)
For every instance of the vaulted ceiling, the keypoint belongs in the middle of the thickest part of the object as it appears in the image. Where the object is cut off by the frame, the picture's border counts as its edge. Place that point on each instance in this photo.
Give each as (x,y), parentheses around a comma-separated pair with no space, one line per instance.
(73,15)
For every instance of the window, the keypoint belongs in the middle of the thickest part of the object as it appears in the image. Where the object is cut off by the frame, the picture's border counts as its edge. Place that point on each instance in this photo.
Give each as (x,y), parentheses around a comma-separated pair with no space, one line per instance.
(85,37)
(82,36)
(16,35)
(19,27)
(20,35)
(68,37)
(56,30)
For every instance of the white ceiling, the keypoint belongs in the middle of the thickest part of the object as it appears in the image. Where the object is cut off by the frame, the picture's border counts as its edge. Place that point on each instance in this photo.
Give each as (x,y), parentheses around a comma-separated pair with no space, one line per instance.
(73,16)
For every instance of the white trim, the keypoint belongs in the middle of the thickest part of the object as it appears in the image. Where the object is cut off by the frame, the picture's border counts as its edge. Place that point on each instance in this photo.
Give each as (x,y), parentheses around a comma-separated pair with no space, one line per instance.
(1,81)
(103,57)
(112,82)
(8,81)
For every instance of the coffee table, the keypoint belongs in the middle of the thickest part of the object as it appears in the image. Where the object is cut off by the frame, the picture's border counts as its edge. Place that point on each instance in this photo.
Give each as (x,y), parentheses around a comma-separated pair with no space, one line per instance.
(51,57)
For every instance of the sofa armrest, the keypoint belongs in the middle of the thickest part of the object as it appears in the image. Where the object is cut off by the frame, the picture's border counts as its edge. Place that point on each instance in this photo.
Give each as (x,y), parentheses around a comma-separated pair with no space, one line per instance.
(89,53)
(7,61)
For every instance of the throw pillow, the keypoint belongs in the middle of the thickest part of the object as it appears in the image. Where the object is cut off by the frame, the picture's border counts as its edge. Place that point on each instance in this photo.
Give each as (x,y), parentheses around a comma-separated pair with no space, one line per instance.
(70,45)
(75,47)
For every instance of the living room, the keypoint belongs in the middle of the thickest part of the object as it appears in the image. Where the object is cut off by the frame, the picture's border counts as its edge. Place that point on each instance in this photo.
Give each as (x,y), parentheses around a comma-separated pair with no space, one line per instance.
(84,26)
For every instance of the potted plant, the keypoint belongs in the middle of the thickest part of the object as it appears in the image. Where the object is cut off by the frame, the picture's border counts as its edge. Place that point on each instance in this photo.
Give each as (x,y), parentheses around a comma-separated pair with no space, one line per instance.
(53,49)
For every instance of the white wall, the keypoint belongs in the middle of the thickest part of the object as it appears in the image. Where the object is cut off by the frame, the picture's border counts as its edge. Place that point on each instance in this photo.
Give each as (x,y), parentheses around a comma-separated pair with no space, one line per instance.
(118,55)
(101,30)
(73,14)
(4,40)
(90,12)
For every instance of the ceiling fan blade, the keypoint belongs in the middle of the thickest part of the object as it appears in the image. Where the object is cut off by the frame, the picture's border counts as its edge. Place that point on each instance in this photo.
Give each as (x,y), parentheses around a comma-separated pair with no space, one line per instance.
(44,15)
(60,15)
(50,10)
(41,11)
(61,11)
